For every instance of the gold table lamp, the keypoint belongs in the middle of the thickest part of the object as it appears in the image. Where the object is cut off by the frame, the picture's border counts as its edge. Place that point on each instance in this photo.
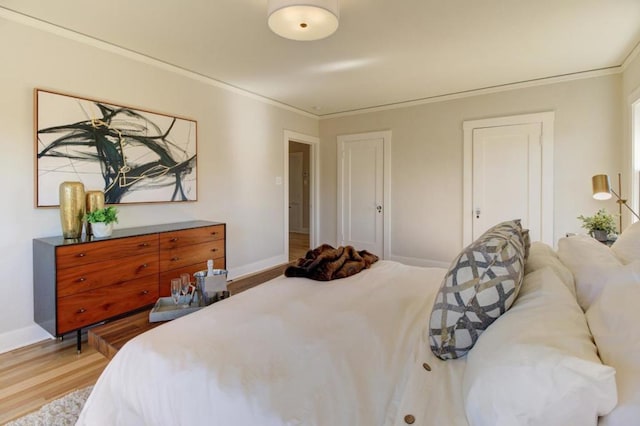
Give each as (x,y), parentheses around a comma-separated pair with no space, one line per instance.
(602,191)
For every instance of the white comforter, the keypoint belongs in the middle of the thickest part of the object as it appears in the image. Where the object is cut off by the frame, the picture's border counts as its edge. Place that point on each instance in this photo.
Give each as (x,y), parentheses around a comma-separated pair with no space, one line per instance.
(290,352)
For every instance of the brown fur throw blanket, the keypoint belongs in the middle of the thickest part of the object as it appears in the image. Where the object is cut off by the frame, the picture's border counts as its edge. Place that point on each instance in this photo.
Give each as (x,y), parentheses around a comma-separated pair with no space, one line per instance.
(326,263)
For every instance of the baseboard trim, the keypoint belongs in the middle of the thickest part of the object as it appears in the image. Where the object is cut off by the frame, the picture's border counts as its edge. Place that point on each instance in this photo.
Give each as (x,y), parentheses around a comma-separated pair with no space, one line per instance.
(415,261)
(15,339)
(252,268)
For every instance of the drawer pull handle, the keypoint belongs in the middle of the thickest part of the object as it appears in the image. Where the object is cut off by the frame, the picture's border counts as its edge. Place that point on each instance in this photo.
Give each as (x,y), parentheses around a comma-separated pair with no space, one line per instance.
(80,255)
(145,292)
(173,259)
(144,265)
(81,311)
(214,233)
(173,240)
(81,279)
(144,245)
(214,249)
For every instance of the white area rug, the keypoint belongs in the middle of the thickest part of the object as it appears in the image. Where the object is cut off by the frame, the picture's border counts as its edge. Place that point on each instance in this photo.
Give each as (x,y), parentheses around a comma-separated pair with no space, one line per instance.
(60,412)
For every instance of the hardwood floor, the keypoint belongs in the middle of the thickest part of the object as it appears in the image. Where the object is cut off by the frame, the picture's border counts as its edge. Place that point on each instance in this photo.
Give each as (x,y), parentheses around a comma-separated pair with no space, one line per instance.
(37,374)
(298,245)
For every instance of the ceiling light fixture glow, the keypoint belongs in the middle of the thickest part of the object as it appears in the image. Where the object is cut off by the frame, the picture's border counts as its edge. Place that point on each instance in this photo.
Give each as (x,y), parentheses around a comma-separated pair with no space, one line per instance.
(303,20)
(340,66)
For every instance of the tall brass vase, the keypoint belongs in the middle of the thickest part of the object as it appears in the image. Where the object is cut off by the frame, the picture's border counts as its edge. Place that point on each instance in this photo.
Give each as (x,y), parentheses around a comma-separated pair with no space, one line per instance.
(95,201)
(71,209)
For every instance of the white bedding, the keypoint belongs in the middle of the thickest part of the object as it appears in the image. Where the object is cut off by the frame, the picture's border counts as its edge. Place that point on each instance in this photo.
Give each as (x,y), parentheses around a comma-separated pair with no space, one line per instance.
(614,319)
(291,351)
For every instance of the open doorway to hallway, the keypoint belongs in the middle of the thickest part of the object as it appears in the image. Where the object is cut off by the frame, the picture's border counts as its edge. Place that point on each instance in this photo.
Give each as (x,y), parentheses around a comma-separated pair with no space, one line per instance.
(299,199)
(298,245)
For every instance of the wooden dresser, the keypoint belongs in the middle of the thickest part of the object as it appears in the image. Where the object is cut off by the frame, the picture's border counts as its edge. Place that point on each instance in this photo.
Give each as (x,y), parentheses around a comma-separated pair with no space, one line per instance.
(78,283)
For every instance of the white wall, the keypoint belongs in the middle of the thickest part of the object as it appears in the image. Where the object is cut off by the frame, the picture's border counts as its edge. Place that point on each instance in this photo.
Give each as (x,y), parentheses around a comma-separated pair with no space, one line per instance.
(426,159)
(240,152)
(631,76)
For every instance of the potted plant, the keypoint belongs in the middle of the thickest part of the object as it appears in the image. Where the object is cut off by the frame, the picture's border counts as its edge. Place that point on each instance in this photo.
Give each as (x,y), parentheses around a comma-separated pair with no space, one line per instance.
(102,221)
(600,225)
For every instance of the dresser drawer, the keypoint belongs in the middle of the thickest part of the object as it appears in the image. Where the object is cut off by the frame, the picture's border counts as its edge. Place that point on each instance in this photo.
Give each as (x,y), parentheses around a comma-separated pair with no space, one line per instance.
(187,237)
(93,275)
(99,251)
(189,255)
(102,303)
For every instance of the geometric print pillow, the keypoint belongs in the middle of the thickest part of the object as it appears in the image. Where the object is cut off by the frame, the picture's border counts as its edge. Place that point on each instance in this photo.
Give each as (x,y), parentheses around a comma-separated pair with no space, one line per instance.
(481,284)
(526,240)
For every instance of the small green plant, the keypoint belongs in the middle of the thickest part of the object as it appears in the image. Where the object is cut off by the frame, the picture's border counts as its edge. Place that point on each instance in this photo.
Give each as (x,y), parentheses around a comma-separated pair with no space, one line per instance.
(106,215)
(601,221)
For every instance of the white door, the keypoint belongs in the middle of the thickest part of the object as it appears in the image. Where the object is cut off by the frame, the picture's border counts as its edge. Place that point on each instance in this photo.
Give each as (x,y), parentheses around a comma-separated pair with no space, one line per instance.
(295,192)
(360,192)
(508,174)
(507,177)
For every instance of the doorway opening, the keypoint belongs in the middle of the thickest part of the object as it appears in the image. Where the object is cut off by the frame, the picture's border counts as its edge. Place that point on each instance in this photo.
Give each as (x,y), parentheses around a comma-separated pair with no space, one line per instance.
(299,190)
(301,194)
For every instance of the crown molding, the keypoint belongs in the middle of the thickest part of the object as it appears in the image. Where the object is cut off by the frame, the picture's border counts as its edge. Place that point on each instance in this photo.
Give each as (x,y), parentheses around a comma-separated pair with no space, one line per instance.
(140,57)
(630,57)
(483,91)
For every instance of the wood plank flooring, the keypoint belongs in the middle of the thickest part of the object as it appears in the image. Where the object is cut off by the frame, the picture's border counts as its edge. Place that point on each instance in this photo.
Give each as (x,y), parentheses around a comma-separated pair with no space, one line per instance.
(298,245)
(37,374)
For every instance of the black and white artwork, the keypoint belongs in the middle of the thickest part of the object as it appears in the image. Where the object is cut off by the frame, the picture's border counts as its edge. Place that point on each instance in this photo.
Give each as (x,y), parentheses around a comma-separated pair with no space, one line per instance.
(134,156)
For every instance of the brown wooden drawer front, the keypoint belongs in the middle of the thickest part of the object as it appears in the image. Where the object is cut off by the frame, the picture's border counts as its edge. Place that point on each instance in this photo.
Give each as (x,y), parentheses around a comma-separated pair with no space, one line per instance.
(102,303)
(191,255)
(173,240)
(165,277)
(99,251)
(94,275)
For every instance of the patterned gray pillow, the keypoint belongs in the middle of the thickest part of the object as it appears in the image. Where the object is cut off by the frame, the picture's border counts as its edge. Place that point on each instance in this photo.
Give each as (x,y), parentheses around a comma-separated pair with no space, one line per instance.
(526,240)
(481,284)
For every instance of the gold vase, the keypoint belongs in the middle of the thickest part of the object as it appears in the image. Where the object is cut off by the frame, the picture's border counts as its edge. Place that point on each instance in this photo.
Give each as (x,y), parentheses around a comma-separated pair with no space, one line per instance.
(71,209)
(94,201)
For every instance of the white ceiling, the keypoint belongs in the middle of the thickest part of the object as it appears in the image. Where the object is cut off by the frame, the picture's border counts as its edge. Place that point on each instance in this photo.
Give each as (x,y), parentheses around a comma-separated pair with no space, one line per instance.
(384,51)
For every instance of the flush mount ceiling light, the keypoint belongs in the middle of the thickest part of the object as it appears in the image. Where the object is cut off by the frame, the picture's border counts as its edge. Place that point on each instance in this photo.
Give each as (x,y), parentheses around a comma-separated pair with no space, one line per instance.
(303,19)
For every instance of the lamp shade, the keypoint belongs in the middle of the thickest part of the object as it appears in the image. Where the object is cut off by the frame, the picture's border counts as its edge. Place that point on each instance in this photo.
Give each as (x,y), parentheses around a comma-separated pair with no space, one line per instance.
(303,19)
(601,187)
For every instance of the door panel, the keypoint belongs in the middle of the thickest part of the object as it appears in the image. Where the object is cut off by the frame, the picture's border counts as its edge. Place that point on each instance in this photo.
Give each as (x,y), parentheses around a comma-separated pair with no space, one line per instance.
(507,177)
(361,194)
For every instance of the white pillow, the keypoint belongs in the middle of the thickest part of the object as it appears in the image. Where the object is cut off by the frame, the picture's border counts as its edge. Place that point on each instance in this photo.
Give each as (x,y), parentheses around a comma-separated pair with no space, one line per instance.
(591,263)
(627,246)
(542,256)
(613,320)
(537,364)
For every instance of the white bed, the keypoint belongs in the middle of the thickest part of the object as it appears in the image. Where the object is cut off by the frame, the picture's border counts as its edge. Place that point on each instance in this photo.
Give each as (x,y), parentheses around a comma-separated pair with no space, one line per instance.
(290,351)
(356,351)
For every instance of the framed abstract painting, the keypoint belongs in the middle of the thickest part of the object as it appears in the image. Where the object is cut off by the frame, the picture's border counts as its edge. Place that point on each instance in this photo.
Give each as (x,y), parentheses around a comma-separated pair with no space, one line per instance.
(134,156)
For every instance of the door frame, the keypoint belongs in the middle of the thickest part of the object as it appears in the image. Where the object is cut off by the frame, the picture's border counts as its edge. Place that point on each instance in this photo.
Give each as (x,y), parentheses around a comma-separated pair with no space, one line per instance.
(633,147)
(386,185)
(546,119)
(314,193)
